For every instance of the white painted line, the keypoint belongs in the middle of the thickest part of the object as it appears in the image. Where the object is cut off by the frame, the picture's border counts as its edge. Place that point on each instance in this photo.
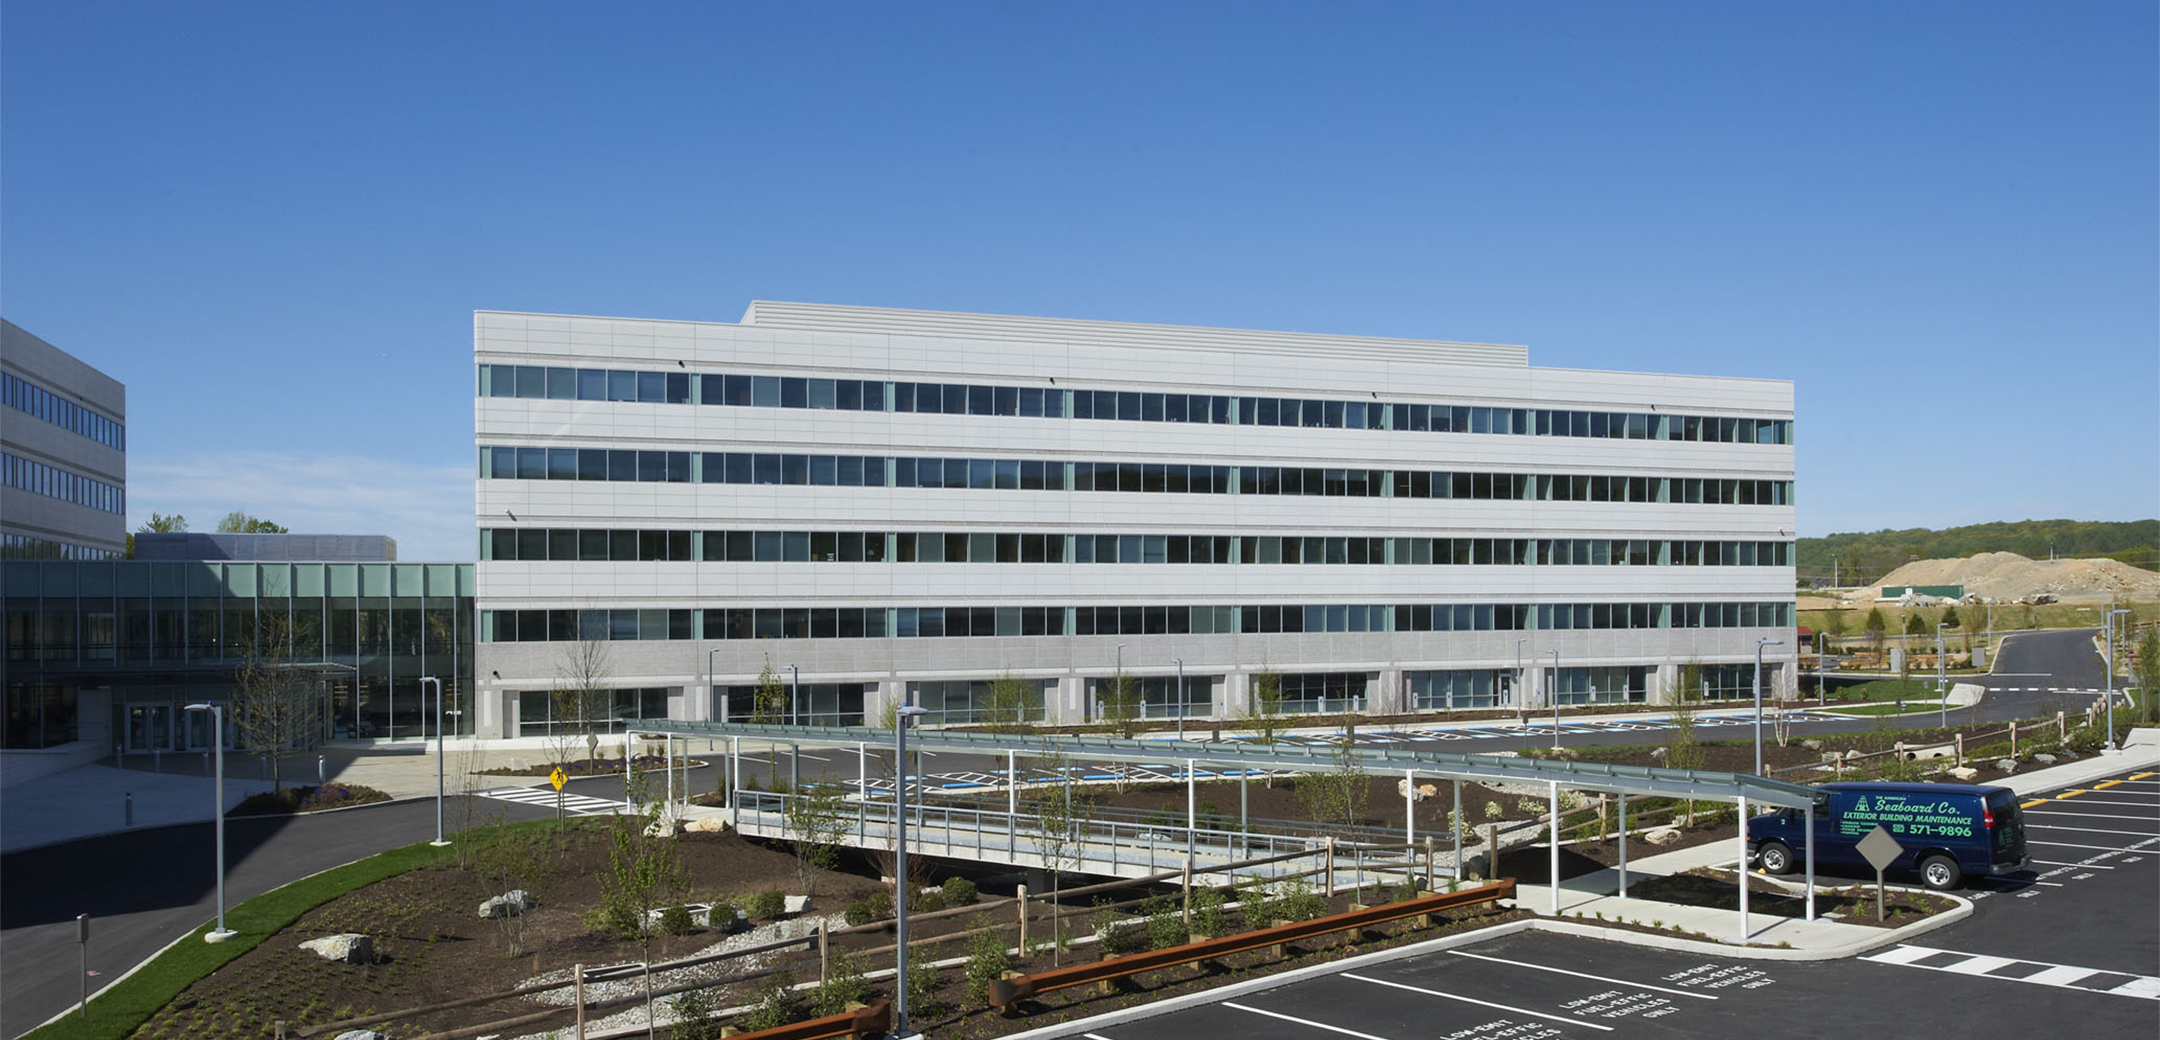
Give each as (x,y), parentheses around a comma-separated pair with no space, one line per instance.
(1978,964)
(2095,848)
(1095,1036)
(1302,1021)
(2059,975)
(2087,815)
(1482,1003)
(1582,975)
(2092,830)
(2148,988)
(2081,866)
(1901,955)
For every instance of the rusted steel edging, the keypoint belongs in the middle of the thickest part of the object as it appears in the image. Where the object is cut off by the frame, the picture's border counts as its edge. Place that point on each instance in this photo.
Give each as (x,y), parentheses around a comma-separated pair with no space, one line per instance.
(1006,992)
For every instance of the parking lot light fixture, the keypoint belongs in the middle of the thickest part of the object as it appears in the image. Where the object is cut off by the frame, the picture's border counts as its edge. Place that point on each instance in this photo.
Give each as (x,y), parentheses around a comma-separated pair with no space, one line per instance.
(2113,613)
(439,841)
(1553,695)
(217,739)
(903,717)
(1759,644)
(1942,675)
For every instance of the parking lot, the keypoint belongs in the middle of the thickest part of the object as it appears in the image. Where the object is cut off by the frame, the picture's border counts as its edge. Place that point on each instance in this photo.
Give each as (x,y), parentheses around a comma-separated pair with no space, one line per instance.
(2075,943)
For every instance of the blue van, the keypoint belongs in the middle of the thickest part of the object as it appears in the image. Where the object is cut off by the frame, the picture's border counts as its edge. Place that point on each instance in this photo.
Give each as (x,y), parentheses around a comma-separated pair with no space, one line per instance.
(1949,831)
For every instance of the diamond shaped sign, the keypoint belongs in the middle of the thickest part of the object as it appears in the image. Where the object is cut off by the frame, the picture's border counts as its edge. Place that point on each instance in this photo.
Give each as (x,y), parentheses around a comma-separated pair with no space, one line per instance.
(1880,848)
(558,779)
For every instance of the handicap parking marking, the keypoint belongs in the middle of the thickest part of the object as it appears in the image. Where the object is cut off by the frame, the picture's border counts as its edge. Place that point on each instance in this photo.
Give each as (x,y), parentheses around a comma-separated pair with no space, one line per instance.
(2011,969)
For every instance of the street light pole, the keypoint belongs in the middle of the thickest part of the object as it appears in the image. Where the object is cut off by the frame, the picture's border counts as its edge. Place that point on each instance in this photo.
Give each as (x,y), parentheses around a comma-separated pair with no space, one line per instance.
(1521,709)
(902,716)
(1552,694)
(217,739)
(439,839)
(711,690)
(1181,704)
(1759,644)
(1117,682)
(1942,675)
(2113,612)
(794,688)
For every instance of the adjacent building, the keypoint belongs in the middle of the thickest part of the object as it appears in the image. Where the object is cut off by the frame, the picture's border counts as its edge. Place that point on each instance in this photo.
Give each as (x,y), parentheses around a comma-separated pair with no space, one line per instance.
(63,450)
(883,504)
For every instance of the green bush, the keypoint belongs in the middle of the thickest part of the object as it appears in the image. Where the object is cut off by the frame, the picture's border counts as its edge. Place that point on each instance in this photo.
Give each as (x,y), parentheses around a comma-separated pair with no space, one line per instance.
(1406,891)
(844,983)
(959,891)
(1164,922)
(2085,739)
(722,915)
(693,1017)
(876,906)
(776,1006)
(1118,940)
(675,920)
(922,986)
(986,960)
(928,900)
(1208,916)
(1259,911)
(768,904)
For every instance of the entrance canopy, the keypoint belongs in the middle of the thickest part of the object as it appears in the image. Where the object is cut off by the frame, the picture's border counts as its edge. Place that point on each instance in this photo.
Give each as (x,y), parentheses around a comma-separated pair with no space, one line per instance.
(1379,761)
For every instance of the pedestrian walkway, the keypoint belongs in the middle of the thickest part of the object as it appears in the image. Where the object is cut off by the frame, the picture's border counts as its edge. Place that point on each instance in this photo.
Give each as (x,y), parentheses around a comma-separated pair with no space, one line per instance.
(2039,973)
(547,798)
(98,799)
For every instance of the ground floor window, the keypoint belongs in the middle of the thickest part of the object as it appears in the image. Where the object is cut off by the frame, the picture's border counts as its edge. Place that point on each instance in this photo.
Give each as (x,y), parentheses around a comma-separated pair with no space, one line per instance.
(555,712)
(1726,682)
(1319,692)
(1159,695)
(1445,691)
(817,704)
(1623,684)
(964,702)
(39,714)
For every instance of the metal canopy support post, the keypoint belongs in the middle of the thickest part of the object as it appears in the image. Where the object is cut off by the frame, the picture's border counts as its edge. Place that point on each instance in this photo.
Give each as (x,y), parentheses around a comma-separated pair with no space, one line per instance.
(1623,844)
(1455,826)
(862,789)
(1244,787)
(1012,782)
(1554,876)
(1810,862)
(1192,821)
(734,789)
(794,767)
(1742,803)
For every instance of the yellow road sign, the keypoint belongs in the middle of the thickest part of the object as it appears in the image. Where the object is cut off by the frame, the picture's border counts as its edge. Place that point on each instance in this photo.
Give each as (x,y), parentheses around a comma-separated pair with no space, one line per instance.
(558,778)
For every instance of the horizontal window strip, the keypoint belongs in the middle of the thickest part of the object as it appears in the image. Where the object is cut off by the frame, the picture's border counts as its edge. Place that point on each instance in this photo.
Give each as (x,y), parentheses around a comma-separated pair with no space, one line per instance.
(38,478)
(874,395)
(714,623)
(561,545)
(693,467)
(36,401)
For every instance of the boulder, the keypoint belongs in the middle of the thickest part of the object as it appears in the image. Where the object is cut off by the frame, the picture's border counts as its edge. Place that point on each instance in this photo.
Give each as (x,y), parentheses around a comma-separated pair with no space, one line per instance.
(363,1034)
(1659,753)
(520,765)
(1403,788)
(706,825)
(2044,759)
(1662,835)
(796,904)
(347,948)
(1965,774)
(1428,790)
(664,827)
(509,904)
(1812,745)
(2004,765)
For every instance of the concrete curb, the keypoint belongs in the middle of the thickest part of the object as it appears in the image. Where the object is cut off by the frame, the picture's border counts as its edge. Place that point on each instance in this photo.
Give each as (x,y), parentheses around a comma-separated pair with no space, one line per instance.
(1888,937)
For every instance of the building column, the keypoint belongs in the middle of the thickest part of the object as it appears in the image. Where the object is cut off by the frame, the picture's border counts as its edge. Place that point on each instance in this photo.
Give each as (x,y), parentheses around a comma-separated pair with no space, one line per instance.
(1236,696)
(1665,684)
(1387,696)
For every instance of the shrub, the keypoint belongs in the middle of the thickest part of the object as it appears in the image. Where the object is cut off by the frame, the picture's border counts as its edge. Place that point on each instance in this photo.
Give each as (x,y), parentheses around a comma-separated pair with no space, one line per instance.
(844,983)
(1118,940)
(1406,891)
(928,900)
(776,1006)
(722,914)
(876,906)
(986,960)
(922,987)
(693,1017)
(769,903)
(1164,923)
(1295,900)
(1259,911)
(1208,916)
(959,891)
(675,920)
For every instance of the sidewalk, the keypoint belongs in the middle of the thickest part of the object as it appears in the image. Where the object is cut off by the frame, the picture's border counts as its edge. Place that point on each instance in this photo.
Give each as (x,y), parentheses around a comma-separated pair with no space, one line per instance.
(90,800)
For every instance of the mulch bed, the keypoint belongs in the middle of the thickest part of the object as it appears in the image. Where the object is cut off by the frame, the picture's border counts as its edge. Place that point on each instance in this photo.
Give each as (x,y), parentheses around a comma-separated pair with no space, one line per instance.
(1853,904)
(307,799)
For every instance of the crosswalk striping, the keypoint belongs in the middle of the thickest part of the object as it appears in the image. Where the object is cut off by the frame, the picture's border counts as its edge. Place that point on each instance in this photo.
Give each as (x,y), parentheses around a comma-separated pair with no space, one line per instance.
(573,804)
(1981,965)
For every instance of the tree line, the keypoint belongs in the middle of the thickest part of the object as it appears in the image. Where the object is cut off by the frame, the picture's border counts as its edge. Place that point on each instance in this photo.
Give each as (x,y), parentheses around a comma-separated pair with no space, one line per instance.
(1864,558)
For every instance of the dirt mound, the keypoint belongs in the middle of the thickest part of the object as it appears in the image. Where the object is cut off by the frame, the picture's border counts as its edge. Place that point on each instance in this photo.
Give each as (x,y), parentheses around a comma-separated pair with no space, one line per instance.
(2002,577)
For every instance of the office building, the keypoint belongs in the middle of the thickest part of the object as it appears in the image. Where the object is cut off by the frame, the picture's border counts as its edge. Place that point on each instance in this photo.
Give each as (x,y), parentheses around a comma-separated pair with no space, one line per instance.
(63,452)
(882,504)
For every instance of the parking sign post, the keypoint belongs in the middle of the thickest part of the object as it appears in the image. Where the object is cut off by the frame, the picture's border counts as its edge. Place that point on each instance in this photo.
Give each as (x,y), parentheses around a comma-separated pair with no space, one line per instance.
(1880,850)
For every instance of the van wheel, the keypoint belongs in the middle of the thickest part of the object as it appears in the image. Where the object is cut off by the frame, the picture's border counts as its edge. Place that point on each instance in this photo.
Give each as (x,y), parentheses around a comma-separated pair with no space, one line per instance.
(1776,858)
(1940,872)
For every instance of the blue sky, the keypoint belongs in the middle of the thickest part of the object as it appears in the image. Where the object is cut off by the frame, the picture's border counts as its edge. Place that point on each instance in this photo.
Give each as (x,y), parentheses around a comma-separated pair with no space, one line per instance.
(273,220)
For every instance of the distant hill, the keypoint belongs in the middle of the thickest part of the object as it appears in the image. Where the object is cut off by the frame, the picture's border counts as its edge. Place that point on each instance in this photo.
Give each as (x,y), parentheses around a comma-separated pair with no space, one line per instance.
(1864,558)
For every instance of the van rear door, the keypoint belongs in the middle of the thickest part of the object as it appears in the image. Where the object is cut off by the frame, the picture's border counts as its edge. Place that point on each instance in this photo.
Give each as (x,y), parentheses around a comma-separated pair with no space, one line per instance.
(2006,828)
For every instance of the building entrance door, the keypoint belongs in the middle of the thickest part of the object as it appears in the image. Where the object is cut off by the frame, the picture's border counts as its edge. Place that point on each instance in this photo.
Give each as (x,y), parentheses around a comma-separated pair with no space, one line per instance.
(199,725)
(149,727)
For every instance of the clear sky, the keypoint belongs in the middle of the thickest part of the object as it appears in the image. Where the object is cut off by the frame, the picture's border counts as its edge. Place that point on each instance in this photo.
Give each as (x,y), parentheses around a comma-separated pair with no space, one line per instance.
(272,221)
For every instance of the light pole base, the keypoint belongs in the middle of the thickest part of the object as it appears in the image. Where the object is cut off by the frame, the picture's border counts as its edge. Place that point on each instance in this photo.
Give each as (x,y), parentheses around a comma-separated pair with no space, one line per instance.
(216,935)
(439,843)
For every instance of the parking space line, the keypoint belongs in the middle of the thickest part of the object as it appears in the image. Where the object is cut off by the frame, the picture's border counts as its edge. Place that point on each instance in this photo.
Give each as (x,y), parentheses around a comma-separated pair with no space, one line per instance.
(1302,1021)
(2096,848)
(1581,974)
(1095,1036)
(2089,830)
(2090,815)
(2083,866)
(1473,1000)
(2036,801)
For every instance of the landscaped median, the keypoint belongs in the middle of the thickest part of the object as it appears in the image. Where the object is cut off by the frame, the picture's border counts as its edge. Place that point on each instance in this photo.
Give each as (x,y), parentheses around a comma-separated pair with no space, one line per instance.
(118,1009)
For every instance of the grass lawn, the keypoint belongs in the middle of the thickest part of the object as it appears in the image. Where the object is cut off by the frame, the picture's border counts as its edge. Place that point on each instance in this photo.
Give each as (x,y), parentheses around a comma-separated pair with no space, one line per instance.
(117,1010)
(1882,708)
(1887,690)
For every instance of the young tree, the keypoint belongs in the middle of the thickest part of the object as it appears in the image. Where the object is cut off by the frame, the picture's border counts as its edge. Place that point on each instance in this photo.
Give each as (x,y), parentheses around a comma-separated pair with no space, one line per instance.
(1917,624)
(580,700)
(645,875)
(1265,714)
(1691,681)
(815,820)
(1682,751)
(1007,707)
(1338,794)
(273,706)
(1059,818)
(769,707)
(1950,617)
(1118,705)
(1875,628)
(237,522)
(2145,672)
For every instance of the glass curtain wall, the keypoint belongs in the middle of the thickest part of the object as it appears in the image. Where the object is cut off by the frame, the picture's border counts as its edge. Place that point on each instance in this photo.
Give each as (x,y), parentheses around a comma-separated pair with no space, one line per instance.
(1625,684)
